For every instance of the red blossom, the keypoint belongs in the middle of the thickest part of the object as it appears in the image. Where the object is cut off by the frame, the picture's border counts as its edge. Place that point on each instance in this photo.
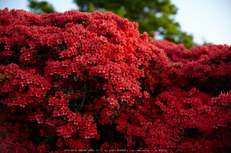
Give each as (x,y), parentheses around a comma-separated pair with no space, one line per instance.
(78,80)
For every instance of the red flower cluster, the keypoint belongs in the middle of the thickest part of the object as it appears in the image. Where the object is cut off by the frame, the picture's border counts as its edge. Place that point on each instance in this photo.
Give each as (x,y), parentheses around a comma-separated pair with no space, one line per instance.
(78,80)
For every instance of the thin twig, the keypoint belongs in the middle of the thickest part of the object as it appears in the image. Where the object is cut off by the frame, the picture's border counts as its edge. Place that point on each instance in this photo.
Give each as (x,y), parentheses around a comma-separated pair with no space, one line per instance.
(83,99)
(45,140)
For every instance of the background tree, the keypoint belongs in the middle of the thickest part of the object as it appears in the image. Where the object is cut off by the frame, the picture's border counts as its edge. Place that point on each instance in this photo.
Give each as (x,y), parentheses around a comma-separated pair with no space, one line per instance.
(40,7)
(152,15)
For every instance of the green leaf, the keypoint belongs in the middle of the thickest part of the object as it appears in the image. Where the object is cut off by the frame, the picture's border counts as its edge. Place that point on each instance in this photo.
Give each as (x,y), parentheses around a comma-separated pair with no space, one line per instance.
(68,102)
(43,95)
(8,77)
(2,77)
(12,73)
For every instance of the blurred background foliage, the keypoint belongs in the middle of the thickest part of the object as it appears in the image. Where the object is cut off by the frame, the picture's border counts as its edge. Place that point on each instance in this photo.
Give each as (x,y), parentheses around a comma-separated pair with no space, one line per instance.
(152,15)
(40,7)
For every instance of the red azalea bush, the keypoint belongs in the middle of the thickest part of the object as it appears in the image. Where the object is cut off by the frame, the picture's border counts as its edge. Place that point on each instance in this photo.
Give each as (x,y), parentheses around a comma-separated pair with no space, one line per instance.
(78,80)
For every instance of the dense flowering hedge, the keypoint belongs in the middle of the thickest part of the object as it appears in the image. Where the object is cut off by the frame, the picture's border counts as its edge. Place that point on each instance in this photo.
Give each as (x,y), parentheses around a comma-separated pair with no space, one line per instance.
(78,80)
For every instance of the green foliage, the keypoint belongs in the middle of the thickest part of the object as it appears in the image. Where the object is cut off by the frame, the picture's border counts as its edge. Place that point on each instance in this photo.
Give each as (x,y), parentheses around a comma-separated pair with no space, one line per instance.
(40,7)
(2,77)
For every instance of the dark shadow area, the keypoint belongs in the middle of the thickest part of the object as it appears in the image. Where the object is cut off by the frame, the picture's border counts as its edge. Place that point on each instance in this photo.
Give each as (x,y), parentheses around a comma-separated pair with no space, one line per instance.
(193,133)
(109,134)
(216,85)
